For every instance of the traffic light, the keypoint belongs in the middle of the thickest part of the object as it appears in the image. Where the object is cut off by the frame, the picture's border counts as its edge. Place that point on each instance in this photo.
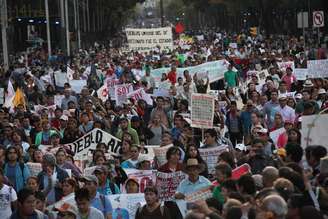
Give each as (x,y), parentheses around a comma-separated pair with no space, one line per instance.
(253,31)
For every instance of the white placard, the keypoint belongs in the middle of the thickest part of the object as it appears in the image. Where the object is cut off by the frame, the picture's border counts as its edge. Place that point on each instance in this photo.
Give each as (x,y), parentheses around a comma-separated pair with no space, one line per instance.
(202,110)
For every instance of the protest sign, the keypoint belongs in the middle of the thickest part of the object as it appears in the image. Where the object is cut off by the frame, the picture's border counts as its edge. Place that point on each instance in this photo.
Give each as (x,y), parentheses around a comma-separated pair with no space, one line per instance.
(111,82)
(89,170)
(239,171)
(121,91)
(140,94)
(167,184)
(211,155)
(314,130)
(60,78)
(67,200)
(102,93)
(202,194)
(125,206)
(161,93)
(318,68)
(145,40)
(233,45)
(69,73)
(77,85)
(284,65)
(202,110)
(58,100)
(144,177)
(301,73)
(274,135)
(160,154)
(35,168)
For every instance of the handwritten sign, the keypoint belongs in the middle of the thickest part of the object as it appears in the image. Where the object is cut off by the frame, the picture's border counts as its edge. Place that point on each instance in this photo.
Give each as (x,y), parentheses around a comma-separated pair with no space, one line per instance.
(140,94)
(202,110)
(121,91)
(167,184)
(211,155)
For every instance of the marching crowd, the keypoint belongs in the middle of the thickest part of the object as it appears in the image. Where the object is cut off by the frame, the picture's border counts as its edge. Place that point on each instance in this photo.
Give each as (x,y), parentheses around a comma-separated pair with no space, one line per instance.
(282,179)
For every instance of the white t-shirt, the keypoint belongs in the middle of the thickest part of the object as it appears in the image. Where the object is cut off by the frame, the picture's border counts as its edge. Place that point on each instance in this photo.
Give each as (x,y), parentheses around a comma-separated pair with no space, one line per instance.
(7,195)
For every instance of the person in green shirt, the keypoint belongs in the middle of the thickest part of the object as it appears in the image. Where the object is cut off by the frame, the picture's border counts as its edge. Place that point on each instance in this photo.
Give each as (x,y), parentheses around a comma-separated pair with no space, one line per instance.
(223,172)
(231,77)
(125,127)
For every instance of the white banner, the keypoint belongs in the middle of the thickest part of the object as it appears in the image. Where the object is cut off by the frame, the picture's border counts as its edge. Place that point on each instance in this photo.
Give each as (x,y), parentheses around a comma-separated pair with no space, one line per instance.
(202,110)
(314,130)
(284,65)
(211,155)
(301,73)
(121,91)
(125,206)
(77,85)
(140,94)
(111,82)
(318,68)
(145,40)
(60,78)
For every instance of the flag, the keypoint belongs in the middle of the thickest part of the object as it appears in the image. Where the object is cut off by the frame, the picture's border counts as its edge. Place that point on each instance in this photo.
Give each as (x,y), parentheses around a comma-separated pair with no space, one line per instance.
(102,93)
(69,73)
(9,97)
(19,98)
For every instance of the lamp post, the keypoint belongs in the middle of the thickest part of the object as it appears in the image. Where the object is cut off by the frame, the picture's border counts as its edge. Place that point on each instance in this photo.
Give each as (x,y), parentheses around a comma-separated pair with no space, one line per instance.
(4,25)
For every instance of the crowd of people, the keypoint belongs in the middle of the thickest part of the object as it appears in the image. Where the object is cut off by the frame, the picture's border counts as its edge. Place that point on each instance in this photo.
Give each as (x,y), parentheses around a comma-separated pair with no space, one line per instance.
(283,181)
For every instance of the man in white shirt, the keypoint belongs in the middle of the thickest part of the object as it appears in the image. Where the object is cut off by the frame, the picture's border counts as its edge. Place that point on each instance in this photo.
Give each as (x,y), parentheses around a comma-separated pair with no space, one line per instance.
(8,197)
(288,113)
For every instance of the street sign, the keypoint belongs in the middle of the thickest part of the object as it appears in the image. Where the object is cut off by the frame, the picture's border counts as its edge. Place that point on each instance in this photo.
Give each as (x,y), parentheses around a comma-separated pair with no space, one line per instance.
(318,19)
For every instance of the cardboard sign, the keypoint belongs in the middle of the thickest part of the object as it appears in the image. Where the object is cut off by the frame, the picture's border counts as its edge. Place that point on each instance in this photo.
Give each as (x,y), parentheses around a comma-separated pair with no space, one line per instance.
(167,184)
(202,110)
(145,40)
(211,155)
(121,91)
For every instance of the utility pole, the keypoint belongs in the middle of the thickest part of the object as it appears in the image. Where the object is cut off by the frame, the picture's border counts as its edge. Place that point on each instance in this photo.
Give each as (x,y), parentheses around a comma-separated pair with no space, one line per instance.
(4,25)
(48,27)
(161,12)
(62,26)
(77,22)
(67,29)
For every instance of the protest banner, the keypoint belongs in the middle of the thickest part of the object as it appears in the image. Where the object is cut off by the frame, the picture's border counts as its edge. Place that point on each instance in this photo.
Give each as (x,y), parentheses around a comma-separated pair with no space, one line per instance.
(120,93)
(111,82)
(67,200)
(35,168)
(167,184)
(318,68)
(314,130)
(301,73)
(60,78)
(125,206)
(160,154)
(284,65)
(145,40)
(144,177)
(77,85)
(274,135)
(140,94)
(202,110)
(202,194)
(89,141)
(211,155)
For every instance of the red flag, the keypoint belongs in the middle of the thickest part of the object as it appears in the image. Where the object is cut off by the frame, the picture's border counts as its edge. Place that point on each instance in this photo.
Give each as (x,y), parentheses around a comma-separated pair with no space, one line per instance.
(179,28)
